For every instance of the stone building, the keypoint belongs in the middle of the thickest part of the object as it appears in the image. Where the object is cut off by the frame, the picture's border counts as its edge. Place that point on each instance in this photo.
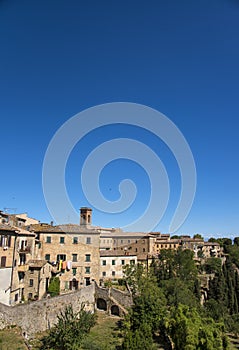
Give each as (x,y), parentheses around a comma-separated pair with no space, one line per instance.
(37,279)
(73,251)
(16,248)
(113,262)
(118,240)
(211,249)
(158,244)
(17,220)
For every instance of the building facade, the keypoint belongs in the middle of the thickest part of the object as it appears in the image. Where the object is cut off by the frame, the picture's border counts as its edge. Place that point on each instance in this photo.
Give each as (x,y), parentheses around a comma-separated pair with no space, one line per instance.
(16,248)
(73,251)
(112,264)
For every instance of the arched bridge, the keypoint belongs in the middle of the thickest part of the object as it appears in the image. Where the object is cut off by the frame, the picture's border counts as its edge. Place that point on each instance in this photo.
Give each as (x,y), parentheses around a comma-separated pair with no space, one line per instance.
(112,300)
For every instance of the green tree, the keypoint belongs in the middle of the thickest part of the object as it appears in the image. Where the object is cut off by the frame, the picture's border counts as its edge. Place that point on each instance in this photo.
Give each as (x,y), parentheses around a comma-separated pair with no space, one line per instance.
(134,276)
(190,331)
(186,268)
(233,251)
(197,235)
(177,292)
(54,286)
(213,240)
(139,339)
(213,265)
(149,305)
(215,309)
(70,330)
(146,316)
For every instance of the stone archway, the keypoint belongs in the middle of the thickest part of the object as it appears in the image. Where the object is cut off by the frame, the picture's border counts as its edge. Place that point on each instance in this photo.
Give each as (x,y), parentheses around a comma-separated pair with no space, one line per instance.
(101,304)
(114,310)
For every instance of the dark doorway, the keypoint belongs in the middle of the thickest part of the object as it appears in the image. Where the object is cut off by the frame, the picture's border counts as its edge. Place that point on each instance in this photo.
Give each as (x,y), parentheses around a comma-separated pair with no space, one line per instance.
(74,284)
(3,261)
(115,310)
(87,281)
(47,284)
(101,304)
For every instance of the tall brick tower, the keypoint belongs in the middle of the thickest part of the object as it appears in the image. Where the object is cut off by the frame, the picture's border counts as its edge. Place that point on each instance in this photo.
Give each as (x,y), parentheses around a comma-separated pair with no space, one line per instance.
(85,216)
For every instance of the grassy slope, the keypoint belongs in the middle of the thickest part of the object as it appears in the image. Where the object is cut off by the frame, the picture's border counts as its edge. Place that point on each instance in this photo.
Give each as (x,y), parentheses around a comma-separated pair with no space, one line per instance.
(105,335)
(11,339)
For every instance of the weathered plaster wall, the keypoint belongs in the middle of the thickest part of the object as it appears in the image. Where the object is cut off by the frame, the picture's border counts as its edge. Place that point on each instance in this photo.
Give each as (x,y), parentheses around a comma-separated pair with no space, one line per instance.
(5,282)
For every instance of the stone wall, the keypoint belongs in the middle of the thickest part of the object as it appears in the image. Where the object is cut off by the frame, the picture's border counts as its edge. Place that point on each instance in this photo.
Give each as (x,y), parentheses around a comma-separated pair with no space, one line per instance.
(41,315)
(114,296)
(123,298)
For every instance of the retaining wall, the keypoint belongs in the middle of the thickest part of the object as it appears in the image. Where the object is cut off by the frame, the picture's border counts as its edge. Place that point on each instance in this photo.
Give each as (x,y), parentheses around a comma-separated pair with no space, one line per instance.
(41,315)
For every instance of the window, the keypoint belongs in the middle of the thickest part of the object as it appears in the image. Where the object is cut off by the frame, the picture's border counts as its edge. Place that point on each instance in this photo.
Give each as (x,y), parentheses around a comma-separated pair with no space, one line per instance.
(31,283)
(87,269)
(74,271)
(21,276)
(88,240)
(143,250)
(9,241)
(122,262)
(61,257)
(3,261)
(62,240)
(29,295)
(103,273)
(47,257)
(74,257)
(113,262)
(31,270)
(136,249)
(87,257)
(75,240)
(122,241)
(103,262)
(16,297)
(113,273)
(22,259)
(48,239)
(128,240)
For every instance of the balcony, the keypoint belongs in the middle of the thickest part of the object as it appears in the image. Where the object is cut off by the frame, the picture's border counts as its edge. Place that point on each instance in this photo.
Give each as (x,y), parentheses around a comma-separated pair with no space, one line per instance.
(26,249)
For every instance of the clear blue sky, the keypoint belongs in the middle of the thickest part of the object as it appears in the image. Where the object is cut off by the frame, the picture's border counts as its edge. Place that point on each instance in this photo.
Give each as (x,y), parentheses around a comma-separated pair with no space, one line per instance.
(180,57)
